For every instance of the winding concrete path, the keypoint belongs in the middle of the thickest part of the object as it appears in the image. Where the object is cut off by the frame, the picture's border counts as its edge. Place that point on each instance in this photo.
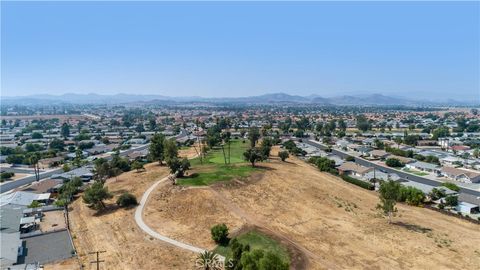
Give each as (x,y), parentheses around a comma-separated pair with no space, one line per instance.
(149,231)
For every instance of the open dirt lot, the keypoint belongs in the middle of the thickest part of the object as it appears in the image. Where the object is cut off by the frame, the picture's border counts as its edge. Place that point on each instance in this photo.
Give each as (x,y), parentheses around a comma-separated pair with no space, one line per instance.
(187,214)
(52,220)
(117,233)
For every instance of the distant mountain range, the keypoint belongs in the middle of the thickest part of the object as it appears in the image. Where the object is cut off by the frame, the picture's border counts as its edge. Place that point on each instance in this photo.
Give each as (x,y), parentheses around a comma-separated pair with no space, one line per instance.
(275,98)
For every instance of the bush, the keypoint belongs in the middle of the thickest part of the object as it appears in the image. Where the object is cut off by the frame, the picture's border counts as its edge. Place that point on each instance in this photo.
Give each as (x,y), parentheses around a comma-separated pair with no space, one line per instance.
(220,234)
(126,199)
(357,182)
(411,195)
(283,155)
(393,162)
(6,175)
(350,158)
(451,186)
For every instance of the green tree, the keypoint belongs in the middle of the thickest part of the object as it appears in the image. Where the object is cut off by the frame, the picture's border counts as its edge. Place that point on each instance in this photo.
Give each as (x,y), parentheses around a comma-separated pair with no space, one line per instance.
(95,194)
(170,150)
(220,234)
(362,123)
(389,192)
(65,131)
(266,146)
(411,195)
(440,132)
(436,194)
(137,165)
(66,168)
(271,261)
(253,136)
(476,152)
(283,155)
(34,204)
(57,144)
(411,140)
(393,162)
(178,166)
(156,148)
(37,135)
(253,155)
(451,200)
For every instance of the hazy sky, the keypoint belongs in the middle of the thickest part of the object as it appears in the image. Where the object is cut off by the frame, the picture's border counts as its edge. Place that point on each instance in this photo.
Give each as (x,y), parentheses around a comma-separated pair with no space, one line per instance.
(413,49)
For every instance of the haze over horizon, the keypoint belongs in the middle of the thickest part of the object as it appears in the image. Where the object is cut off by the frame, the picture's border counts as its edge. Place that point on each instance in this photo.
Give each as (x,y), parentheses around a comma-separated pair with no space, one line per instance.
(422,50)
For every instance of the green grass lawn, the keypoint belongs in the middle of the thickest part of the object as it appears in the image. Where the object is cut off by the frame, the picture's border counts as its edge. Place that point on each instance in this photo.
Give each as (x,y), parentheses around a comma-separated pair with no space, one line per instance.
(256,240)
(215,156)
(419,173)
(217,173)
(213,169)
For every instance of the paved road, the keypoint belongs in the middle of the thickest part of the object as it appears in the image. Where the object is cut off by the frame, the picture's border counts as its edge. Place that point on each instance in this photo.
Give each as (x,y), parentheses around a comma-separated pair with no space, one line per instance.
(149,231)
(402,174)
(18,170)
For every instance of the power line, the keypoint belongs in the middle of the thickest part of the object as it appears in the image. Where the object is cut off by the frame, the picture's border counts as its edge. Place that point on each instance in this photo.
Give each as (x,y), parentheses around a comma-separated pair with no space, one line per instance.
(98,261)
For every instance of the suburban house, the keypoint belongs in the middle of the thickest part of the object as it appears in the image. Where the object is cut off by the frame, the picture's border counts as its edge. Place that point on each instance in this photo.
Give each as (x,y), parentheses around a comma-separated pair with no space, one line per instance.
(338,160)
(450,160)
(381,154)
(377,174)
(84,173)
(10,235)
(468,203)
(23,198)
(46,163)
(424,167)
(404,160)
(461,175)
(353,169)
(467,208)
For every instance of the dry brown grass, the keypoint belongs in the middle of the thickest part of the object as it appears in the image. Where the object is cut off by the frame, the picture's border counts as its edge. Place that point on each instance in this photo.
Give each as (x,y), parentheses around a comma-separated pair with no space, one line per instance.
(333,223)
(116,231)
(338,224)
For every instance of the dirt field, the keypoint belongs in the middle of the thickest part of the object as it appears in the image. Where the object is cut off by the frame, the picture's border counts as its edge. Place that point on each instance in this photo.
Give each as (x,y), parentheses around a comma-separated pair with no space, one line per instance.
(117,233)
(53,220)
(187,214)
(69,264)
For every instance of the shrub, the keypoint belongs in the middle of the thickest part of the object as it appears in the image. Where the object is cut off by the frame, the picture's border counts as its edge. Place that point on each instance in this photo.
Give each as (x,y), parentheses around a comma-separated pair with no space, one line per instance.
(126,199)
(357,182)
(411,195)
(350,158)
(220,234)
(6,175)
(451,186)
(283,155)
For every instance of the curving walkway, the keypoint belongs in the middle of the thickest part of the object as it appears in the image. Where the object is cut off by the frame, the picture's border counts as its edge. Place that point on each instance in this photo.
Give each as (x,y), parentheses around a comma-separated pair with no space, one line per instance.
(149,231)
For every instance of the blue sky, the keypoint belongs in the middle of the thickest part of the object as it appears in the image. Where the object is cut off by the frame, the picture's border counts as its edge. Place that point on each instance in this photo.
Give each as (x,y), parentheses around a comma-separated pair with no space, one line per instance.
(416,49)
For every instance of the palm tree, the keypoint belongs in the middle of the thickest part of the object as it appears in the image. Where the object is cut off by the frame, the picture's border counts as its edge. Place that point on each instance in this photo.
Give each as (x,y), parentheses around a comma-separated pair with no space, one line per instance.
(208,260)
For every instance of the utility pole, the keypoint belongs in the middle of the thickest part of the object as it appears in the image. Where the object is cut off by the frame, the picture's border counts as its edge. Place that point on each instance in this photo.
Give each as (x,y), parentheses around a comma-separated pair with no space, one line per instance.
(97,261)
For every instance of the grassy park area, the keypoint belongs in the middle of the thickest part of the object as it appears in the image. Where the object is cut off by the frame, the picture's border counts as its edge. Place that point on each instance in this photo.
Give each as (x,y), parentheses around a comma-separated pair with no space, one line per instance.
(256,240)
(213,168)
